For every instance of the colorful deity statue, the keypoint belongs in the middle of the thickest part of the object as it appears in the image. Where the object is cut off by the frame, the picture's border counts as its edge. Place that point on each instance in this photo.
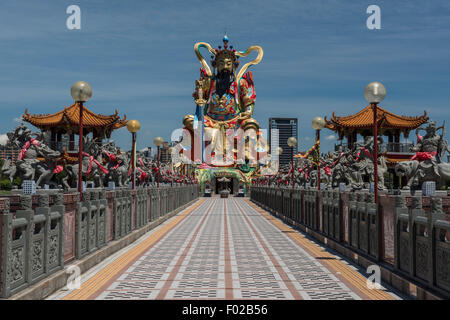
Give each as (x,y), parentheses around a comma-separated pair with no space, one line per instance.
(225,97)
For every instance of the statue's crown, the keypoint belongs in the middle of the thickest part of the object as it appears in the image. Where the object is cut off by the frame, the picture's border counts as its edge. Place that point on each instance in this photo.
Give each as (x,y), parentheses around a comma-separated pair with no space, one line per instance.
(225,53)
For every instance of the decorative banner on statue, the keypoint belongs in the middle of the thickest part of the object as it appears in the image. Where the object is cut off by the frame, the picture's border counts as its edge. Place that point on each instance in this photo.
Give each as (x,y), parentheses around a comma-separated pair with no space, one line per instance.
(27,145)
(58,169)
(422,156)
(327,170)
(366,152)
(142,163)
(111,156)
(197,116)
(198,125)
(93,160)
(143,174)
(307,153)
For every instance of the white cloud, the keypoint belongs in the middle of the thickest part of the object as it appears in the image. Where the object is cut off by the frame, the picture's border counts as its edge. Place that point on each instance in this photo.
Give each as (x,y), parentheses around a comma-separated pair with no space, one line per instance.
(3,139)
(18,120)
(330,137)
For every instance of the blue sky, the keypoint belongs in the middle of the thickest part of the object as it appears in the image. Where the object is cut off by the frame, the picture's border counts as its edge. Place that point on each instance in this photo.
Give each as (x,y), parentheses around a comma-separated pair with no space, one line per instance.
(138,57)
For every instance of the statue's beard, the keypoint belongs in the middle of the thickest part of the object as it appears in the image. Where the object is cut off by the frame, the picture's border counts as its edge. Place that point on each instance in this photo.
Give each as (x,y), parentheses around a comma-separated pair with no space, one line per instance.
(224,79)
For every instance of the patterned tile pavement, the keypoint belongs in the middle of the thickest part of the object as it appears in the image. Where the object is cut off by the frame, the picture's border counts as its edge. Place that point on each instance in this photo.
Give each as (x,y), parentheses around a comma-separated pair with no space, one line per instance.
(226,249)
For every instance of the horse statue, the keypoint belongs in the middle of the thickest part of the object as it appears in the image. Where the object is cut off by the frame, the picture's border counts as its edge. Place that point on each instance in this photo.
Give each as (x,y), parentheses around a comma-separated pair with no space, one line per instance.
(415,177)
(91,166)
(36,160)
(117,163)
(426,164)
(144,174)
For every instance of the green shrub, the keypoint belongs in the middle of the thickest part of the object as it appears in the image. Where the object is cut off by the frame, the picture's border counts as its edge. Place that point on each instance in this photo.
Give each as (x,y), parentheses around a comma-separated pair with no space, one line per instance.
(17,181)
(5,184)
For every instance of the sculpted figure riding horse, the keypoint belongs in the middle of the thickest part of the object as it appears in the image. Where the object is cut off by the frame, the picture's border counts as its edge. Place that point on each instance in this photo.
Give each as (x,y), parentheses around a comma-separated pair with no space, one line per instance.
(118,164)
(36,161)
(426,164)
(92,167)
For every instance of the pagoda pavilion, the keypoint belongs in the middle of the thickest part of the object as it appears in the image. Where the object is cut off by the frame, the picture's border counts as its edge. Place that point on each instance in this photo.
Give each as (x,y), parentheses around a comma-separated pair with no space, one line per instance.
(66,123)
(390,125)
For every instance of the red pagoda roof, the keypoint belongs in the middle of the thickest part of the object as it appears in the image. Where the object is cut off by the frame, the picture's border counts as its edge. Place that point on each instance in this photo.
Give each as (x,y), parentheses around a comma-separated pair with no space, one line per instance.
(364,119)
(71,116)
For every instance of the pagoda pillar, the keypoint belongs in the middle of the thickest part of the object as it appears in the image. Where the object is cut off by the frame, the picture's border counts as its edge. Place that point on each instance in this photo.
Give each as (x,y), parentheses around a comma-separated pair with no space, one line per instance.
(397,141)
(72,141)
(52,138)
(349,141)
(391,138)
(95,136)
(58,141)
(390,146)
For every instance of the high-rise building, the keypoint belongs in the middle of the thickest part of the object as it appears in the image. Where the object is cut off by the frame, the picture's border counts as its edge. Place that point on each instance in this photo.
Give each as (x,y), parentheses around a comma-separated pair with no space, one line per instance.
(9,151)
(164,155)
(147,152)
(287,127)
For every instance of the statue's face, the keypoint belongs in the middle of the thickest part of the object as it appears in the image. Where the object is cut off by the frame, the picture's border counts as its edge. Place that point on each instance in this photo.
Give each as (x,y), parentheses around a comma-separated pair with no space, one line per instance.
(431,130)
(225,64)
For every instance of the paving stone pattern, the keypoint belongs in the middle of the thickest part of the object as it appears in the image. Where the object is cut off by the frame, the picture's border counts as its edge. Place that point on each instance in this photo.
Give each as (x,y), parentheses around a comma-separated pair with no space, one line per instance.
(225,249)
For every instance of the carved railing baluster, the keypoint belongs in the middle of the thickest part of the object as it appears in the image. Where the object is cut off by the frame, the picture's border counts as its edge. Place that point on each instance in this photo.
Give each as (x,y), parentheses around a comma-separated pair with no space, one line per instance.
(16,245)
(440,247)
(102,220)
(353,220)
(441,265)
(325,211)
(55,243)
(337,217)
(421,245)
(38,258)
(363,223)
(403,254)
(373,235)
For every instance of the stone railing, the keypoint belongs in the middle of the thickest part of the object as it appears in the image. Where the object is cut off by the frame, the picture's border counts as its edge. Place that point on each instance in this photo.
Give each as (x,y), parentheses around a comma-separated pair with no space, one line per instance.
(408,235)
(41,233)
(422,246)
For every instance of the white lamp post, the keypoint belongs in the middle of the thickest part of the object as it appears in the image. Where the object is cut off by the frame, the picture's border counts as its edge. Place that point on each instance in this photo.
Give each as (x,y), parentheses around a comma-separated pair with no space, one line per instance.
(81,92)
(133,126)
(292,142)
(158,141)
(374,94)
(318,123)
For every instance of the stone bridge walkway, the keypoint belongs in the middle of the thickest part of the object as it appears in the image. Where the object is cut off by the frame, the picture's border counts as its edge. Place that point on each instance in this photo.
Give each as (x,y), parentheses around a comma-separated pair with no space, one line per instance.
(224,249)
